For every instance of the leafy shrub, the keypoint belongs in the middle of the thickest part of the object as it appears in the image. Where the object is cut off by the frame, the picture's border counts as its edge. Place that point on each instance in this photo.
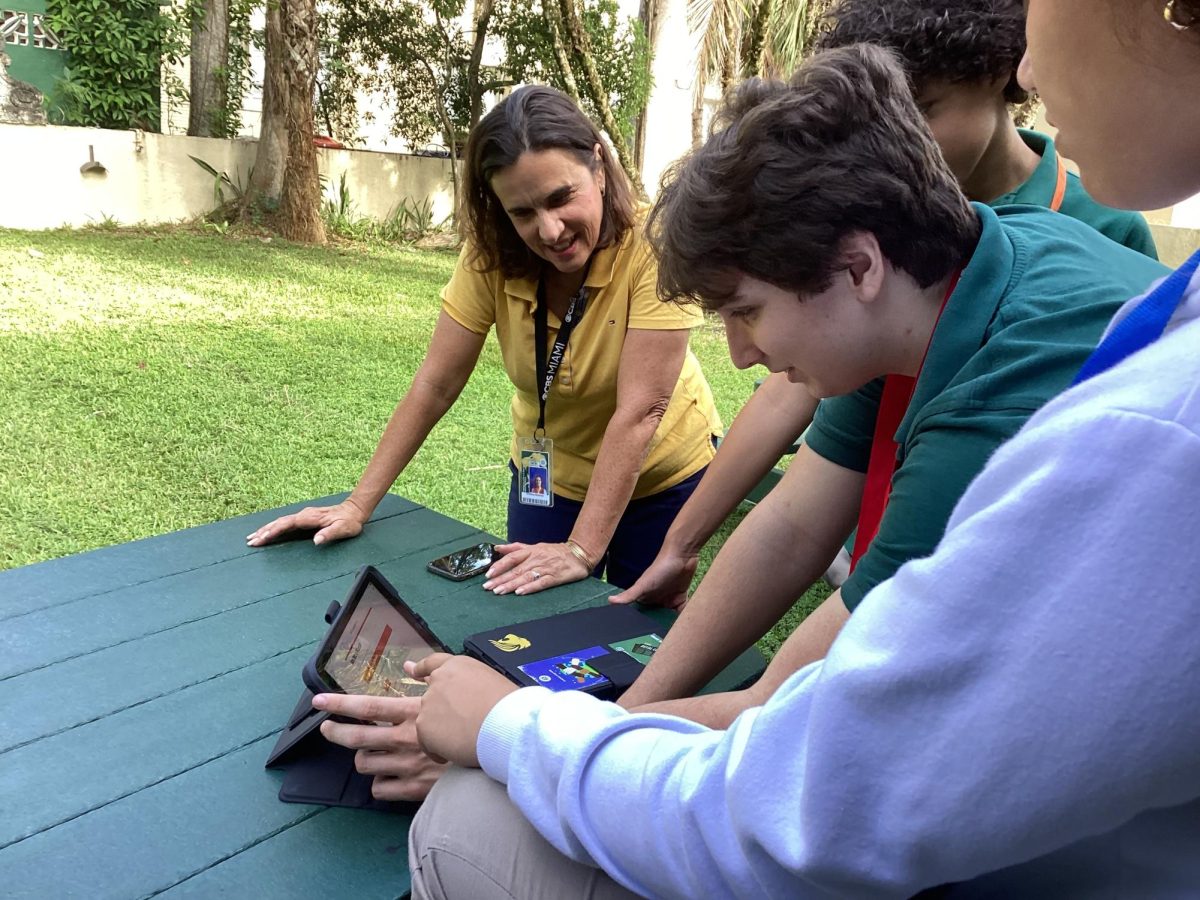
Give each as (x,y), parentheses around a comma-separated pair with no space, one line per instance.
(411,220)
(115,52)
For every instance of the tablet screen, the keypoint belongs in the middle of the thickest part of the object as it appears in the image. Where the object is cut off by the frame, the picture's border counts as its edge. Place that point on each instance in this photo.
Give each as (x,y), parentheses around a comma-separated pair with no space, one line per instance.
(375,640)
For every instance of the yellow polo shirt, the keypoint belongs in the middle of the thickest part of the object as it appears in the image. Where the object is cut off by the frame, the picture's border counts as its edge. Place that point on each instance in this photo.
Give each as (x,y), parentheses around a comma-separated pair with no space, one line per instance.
(622,294)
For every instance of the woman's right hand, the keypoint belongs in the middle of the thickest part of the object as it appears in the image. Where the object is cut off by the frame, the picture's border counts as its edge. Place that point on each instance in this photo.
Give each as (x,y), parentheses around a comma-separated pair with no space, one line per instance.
(333,523)
(665,583)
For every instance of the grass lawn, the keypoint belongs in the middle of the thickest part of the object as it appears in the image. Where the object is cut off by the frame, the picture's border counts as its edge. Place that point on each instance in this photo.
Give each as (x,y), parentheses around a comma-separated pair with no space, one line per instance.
(153,381)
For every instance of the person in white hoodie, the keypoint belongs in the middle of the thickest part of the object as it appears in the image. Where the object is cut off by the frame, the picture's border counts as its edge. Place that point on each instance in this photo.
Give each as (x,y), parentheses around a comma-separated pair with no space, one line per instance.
(1016,715)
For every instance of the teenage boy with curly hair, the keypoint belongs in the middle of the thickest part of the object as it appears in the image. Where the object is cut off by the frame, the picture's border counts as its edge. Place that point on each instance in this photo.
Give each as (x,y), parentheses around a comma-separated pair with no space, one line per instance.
(961,59)
(968,726)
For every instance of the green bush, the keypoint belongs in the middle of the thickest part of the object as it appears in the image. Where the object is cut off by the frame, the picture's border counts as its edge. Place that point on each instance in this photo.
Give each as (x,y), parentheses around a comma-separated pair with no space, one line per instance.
(411,220)
(115,52)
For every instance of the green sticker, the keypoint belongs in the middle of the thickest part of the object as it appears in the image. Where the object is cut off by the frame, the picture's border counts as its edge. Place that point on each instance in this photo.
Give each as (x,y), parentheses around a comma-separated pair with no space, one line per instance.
(640,648)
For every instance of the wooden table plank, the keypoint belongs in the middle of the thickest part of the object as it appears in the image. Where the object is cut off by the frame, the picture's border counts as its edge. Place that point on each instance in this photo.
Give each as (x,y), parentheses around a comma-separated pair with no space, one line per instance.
(153,839)
(118,755)
(87,574)
(68,693)
(85,625)
(372,861)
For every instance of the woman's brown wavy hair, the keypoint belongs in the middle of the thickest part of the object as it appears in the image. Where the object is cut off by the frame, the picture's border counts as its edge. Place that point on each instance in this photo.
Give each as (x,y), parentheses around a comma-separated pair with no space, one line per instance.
(531,119)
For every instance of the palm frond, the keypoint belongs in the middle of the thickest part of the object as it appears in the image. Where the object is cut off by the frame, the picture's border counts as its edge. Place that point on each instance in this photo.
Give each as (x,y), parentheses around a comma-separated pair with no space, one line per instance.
(790,34)
(716,26)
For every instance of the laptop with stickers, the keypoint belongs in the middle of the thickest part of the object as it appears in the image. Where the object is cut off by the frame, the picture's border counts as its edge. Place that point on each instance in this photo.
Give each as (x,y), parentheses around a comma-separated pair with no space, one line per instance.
(600,651)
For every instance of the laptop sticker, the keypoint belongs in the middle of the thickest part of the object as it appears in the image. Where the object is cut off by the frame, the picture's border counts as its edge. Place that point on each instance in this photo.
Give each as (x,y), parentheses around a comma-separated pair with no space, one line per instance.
(510,643)
(568,672)
(640,648)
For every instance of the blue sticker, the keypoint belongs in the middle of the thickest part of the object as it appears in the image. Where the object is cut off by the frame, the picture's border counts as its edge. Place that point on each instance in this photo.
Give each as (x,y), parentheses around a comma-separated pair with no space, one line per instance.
(569,672)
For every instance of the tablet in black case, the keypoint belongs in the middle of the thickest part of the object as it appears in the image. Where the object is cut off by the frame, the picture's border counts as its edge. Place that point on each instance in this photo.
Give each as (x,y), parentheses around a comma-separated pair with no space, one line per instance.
(321,772)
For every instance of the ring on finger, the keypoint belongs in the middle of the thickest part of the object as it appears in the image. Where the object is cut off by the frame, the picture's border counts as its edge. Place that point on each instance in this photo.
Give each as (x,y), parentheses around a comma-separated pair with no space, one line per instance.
(534,574)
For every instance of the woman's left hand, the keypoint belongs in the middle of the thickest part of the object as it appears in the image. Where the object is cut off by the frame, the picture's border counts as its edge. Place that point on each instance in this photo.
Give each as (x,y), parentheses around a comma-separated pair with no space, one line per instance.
(529,568)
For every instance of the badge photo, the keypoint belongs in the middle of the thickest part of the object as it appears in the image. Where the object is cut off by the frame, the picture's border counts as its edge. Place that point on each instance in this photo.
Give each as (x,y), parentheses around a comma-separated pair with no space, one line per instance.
(535,472)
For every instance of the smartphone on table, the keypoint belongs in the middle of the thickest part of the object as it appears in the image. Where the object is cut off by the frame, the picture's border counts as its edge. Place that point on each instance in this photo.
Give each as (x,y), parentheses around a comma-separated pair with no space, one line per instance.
(466,563)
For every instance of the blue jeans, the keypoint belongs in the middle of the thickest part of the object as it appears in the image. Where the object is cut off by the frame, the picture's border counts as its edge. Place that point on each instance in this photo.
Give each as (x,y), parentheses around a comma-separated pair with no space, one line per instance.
(634,544)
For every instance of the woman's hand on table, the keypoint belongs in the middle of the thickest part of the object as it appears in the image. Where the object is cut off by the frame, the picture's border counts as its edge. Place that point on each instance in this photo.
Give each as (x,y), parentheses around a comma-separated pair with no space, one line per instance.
(333,523)
(529,568)
(462,692)
(402,770)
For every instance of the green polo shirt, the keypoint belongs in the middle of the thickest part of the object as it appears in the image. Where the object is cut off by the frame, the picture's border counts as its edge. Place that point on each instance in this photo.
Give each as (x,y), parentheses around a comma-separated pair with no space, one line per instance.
(1029,308)
(1122,226)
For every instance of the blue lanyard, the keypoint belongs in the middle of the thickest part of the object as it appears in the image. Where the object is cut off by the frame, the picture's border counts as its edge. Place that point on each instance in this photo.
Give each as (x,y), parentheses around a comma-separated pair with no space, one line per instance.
(1144,325)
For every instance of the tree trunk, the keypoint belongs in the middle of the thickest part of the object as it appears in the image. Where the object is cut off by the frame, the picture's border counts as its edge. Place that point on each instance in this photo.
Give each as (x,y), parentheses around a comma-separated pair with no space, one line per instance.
(599,96)
(447,128)
(300,205)
(649,16)
(270,160)
(209,97)
(554,23)
(728,73)
(754,60)
(483,14)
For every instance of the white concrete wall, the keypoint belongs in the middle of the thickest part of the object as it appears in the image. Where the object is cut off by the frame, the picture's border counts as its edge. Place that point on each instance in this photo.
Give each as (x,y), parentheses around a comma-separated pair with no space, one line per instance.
(1175,243)
(151,179)
(379,182)
(1187,213)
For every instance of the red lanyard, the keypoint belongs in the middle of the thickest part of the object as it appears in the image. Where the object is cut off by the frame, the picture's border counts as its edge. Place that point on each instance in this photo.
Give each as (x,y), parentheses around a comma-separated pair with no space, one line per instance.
(897,392)
(1060,188)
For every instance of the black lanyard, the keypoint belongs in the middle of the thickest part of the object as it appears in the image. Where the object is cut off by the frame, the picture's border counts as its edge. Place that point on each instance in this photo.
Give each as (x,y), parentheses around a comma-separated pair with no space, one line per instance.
(548,368)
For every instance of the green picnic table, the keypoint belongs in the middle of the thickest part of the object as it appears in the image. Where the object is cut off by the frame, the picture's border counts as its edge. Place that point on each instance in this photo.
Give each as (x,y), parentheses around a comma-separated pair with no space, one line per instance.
(142,687)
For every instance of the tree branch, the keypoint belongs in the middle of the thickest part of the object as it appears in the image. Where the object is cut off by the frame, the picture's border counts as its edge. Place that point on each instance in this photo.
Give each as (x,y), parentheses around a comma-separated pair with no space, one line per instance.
(447,125)
(583,54)
(554,24)
(483,14)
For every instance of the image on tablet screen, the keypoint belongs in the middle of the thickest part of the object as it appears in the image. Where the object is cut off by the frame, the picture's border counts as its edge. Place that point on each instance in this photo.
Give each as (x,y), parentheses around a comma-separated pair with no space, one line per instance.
(370,653)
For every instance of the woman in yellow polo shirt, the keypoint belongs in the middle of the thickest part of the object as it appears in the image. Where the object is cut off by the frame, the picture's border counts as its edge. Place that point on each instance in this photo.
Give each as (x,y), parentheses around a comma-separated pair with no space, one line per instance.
(554,256)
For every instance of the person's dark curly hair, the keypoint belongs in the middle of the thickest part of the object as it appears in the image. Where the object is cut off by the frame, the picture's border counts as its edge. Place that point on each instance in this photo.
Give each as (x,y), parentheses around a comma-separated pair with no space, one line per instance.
(531,119)
(960,41)
(792,170)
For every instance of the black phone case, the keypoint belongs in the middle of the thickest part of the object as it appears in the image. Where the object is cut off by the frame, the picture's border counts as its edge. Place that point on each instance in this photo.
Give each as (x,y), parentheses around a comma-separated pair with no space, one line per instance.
(319,772)
(445,573)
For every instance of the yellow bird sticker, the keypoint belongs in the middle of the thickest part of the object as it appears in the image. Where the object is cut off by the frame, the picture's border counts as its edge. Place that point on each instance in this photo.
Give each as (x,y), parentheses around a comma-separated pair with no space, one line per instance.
(511,643)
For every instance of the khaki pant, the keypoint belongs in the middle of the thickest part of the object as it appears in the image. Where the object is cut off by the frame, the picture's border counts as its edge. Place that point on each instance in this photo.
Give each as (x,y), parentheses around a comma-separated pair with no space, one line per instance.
(469,842)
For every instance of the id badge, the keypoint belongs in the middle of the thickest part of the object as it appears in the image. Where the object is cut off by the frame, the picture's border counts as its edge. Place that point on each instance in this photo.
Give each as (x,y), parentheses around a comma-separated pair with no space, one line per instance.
(535,471)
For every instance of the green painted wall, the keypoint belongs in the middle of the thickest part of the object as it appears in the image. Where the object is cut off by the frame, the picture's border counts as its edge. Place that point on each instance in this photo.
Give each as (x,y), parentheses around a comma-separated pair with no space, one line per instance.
(36,65)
